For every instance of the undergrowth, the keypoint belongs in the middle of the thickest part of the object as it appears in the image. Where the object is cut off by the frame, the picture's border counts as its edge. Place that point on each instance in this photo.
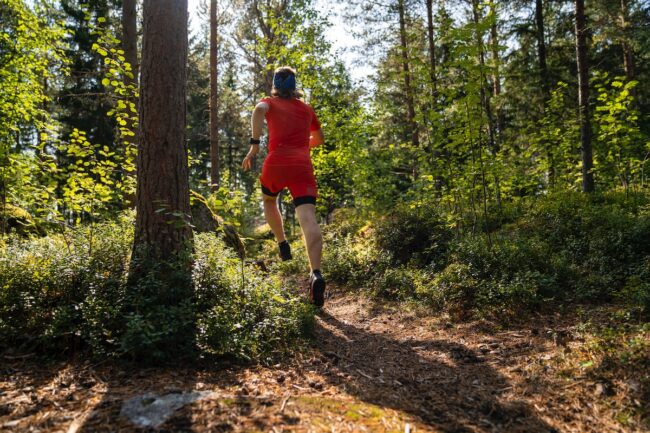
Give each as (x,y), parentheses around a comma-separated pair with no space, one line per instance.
(558,249)
(69,292)
(615,358)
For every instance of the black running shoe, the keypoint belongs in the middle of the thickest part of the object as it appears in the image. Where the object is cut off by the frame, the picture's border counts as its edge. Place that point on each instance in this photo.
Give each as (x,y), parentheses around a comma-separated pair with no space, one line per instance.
(285,250)
(317,289)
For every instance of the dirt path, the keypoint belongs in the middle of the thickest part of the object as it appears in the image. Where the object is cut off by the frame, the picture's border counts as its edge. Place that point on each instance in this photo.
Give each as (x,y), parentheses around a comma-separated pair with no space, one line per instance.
(372,368)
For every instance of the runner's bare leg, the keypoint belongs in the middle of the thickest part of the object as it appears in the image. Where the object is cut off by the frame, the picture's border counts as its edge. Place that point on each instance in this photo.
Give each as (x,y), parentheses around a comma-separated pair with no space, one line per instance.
(274,217)
(312,234)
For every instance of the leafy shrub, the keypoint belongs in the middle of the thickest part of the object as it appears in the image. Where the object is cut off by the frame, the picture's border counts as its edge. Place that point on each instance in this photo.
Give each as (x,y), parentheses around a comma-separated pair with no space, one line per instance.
(395,283)
(636,291)
(345,221)
(242,312)
(48,285)
(67,292)
(349,262)
(454,289)
(561,248)
(602,238)
(416,235)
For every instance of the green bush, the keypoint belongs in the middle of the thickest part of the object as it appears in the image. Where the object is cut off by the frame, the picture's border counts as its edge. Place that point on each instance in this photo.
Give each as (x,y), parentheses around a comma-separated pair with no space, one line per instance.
(413,235)
(636,291)
(453,289)
(395,283)
(66,292)
(602,238)
(348,261)
(565,247)
(242,312)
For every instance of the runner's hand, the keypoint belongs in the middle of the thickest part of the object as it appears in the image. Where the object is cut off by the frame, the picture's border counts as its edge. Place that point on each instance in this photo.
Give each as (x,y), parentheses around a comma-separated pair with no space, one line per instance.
(247,163)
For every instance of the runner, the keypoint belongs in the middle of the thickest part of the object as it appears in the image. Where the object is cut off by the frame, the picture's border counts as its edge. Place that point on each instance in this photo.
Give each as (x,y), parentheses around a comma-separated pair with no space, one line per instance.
(293,130)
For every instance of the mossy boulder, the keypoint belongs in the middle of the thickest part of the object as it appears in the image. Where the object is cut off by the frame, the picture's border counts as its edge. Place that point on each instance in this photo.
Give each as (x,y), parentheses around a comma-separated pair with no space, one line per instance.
(205,221)
(14,219)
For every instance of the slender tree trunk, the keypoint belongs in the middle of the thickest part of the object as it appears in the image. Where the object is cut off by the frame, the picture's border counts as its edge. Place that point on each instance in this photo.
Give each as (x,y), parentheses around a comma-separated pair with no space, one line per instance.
(270,36)
(544,79)
(44,106)
(130,38)
(494,45)
(214,97)
(410,104)
(628,55)
(583,97)
(628,61)
(162,227)
(432,51)
(231,167)
(496,76)
(434,125)
(541,49)
(485,100)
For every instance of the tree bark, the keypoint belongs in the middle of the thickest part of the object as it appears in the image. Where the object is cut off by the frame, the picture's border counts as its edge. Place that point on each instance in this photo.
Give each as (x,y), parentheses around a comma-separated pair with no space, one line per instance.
(432,51)
(583,97)
(541,49)
(214,97)
(410,104)
(162,227)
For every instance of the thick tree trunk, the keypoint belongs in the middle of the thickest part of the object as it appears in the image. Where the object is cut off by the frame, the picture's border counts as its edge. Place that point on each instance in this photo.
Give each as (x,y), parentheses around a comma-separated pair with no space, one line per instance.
(130,37)
(432,51)
(583,97)
(541,49)
(162,228)
(410,104)
(214,97)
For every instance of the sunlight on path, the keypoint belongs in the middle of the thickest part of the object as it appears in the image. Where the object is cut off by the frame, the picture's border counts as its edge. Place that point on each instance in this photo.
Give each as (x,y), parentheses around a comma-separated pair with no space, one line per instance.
(371,368)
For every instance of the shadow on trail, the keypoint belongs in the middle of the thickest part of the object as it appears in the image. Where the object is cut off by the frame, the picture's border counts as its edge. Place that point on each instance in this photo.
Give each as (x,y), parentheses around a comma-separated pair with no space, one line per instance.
(21,378)
(445,384)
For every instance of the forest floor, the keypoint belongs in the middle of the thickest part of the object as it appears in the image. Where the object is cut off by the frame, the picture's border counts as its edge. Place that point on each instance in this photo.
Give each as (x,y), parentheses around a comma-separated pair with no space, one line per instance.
(375,367)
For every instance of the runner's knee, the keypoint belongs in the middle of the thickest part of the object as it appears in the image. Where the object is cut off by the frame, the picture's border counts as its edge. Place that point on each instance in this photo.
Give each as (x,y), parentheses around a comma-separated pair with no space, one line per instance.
(311,229)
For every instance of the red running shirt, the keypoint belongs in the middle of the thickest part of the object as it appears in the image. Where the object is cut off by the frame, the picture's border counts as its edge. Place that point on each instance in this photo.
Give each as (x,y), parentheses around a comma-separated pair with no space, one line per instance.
(290,123)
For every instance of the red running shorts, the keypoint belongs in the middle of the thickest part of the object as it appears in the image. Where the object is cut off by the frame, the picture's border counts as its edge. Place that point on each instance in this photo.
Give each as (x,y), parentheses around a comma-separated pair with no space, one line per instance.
(298,178)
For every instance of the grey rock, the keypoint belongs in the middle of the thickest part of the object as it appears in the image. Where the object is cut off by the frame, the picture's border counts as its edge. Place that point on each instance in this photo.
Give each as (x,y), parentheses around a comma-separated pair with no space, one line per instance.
(152,410)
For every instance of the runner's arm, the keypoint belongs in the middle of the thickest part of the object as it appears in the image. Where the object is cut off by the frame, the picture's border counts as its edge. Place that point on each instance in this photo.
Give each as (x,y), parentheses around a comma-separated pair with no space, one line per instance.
(316,138)
(257,120)
(257,124)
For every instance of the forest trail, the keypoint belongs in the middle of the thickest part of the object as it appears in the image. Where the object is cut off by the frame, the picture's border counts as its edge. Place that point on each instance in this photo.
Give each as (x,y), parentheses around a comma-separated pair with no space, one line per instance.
(372,367)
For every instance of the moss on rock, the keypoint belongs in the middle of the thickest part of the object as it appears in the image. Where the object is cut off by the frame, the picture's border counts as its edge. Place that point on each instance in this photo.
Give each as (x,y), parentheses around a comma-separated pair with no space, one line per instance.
(17,220)
(206,221)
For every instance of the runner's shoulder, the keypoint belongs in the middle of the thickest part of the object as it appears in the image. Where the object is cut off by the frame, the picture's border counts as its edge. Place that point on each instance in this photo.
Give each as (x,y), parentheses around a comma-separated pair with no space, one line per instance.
(265,103)
(304,104)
